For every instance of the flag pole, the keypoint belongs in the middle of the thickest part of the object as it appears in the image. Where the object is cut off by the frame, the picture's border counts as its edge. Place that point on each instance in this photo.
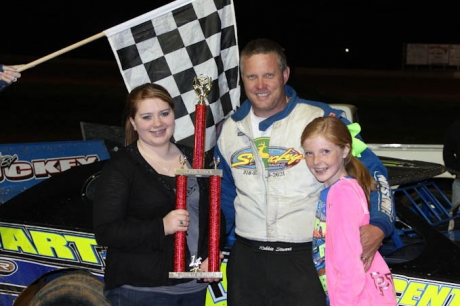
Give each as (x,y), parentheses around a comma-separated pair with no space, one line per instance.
(59,52)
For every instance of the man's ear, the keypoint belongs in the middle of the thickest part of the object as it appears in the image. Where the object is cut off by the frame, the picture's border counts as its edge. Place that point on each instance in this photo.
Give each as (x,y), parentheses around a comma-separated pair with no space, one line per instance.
(286,74)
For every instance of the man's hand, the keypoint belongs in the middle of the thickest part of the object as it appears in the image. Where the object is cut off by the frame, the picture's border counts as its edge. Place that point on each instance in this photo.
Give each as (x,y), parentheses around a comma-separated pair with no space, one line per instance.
(204,268)
(371,240)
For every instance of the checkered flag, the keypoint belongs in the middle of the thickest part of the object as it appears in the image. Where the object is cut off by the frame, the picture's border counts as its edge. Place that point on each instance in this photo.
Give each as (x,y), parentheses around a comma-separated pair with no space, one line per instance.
(175,43)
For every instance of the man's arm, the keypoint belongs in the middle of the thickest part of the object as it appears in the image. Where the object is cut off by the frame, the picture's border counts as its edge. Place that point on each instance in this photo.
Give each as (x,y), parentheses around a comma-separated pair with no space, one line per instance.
(382,210)
(228,194)
(371,239)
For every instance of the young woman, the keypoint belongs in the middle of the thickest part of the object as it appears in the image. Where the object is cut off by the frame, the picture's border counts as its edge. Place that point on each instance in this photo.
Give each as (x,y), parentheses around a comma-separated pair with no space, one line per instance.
(342,209)
(134,209)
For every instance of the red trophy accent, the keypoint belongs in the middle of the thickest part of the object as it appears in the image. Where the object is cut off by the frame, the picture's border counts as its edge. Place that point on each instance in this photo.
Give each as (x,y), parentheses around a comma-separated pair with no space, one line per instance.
(179,238)
(214,224)
(202,86)
(200,132)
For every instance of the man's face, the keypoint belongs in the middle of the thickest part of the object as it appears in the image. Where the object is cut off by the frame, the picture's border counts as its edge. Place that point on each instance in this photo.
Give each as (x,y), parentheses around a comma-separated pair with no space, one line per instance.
(264,83)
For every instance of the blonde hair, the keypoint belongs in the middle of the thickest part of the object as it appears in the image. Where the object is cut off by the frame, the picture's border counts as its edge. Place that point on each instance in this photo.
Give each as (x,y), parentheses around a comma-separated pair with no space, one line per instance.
(263,46)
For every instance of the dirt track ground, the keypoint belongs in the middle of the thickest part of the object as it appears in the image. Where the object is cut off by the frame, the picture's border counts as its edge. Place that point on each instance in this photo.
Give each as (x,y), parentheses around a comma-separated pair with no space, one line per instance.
(50,100)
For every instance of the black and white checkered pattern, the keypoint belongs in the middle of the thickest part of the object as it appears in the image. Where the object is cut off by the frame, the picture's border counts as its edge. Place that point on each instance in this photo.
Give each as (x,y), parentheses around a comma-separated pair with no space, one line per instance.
(172,45)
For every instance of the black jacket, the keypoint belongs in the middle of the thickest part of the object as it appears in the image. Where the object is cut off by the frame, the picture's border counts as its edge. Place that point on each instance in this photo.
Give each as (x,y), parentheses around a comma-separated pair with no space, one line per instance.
(451,149)
(130,202)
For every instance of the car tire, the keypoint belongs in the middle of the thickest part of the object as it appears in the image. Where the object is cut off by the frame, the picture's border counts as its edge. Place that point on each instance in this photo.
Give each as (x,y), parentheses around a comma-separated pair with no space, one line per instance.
(77,288)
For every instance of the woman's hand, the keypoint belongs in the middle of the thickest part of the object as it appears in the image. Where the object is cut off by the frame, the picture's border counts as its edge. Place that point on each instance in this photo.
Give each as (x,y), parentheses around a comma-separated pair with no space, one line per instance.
(176,221)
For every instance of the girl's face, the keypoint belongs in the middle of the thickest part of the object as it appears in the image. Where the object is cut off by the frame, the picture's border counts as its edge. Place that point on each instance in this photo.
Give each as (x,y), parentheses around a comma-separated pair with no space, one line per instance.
(325,159)
(154,121)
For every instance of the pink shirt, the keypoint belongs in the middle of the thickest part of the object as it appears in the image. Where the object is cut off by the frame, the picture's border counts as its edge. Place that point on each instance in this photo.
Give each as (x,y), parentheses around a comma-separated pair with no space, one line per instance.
(347,283)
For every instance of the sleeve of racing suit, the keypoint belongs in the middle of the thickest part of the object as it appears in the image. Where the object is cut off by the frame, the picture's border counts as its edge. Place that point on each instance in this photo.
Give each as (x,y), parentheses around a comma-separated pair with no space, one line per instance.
(228,195)
(382,209)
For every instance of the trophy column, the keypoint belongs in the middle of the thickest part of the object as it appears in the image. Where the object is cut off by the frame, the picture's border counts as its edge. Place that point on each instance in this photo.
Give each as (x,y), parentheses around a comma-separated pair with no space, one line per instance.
(214,221)
(202,86)
(179,238)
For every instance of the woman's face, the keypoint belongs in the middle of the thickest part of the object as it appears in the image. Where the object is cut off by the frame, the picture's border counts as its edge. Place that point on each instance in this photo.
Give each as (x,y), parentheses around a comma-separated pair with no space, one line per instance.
(154,121)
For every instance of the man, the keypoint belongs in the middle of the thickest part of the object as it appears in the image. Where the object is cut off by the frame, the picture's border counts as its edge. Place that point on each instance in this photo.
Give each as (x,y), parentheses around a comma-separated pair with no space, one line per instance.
(268,204)
(451,156)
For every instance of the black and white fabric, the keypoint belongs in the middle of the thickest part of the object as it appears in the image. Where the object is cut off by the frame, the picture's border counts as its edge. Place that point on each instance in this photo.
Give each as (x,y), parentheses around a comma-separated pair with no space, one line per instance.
(174,44)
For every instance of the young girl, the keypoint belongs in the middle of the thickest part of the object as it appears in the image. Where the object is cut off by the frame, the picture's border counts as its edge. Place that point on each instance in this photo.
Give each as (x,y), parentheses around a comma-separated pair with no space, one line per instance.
(337,255)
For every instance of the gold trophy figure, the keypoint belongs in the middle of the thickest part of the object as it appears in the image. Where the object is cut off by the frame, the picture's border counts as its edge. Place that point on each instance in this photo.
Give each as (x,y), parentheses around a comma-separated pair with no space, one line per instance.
(202,85)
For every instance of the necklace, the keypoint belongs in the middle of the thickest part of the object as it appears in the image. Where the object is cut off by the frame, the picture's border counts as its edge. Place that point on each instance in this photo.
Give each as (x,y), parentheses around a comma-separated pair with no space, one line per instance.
(150,158)
(166,169)
(162,167)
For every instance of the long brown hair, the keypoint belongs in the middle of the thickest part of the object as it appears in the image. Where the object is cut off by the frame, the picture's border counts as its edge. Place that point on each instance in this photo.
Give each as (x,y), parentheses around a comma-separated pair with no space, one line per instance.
(138,94)
(336,131)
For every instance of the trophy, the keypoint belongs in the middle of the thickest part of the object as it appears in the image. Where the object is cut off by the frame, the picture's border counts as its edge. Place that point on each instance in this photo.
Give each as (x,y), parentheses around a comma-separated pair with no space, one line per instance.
(202,86)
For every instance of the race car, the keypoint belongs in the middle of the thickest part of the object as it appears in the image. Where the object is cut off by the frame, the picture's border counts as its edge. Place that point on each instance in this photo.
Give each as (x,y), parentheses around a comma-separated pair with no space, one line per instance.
(48,252)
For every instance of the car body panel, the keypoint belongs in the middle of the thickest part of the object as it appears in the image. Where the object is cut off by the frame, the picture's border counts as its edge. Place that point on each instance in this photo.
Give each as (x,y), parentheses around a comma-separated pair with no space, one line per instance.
(26,164)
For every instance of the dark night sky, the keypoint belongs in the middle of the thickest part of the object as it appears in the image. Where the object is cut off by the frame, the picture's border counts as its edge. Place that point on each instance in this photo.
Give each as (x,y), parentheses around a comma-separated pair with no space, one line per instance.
(314,34)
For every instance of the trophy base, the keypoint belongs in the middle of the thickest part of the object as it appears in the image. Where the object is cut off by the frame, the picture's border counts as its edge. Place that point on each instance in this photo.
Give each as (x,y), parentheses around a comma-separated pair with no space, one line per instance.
(195,274)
